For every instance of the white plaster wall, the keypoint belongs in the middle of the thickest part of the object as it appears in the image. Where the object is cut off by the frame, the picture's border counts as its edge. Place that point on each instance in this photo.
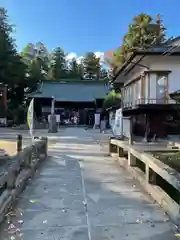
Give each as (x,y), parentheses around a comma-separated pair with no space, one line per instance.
(152,87)
(126,127)
(146,90)
(171,63)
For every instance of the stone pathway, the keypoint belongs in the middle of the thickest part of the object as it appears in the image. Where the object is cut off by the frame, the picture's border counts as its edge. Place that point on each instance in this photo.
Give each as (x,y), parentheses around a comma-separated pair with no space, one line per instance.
(81,194)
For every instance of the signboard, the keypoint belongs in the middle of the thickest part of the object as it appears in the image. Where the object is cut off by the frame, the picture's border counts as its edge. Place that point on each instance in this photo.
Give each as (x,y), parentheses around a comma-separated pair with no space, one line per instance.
(112,119)
(97,119)
(30,116)
(58,118)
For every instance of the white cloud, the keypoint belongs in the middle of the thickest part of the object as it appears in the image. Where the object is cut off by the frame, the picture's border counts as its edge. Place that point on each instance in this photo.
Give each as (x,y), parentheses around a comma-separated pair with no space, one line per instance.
(100,55)
(70,56)
(79,59)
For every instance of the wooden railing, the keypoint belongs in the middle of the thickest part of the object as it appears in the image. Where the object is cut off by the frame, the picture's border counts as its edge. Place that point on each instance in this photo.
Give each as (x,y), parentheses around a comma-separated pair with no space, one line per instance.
(147,101)
(130,157)
(16,170)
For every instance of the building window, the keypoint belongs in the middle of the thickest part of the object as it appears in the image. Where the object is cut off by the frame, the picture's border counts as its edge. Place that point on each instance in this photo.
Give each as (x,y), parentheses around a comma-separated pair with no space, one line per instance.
(137,92)
(127,100)
(161,88)
(130,95)
(125,95)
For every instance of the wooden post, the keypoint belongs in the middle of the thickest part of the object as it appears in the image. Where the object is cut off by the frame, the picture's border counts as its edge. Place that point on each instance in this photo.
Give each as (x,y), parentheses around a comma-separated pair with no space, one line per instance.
(150,175)
(110,146)
(131,159)
(11,179)
(120,152)
(19,143)
(27,160)
(44,149)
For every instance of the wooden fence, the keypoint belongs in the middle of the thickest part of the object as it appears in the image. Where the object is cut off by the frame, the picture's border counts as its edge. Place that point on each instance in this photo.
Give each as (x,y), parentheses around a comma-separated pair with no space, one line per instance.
(18,169)
(150,172)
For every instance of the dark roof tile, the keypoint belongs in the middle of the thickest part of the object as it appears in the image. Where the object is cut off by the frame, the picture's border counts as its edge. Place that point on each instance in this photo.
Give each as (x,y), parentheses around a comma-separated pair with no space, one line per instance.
(72,92)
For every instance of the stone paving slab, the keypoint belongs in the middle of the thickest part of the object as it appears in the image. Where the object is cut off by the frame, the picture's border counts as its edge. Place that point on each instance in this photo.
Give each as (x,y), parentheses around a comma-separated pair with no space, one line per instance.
(81,194)
(53,233)
(38,219)
(40,190)
(158,231)
(63,201)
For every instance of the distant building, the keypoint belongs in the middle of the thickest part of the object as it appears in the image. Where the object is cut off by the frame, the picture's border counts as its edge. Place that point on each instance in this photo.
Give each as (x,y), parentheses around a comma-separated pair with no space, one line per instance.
(83,96)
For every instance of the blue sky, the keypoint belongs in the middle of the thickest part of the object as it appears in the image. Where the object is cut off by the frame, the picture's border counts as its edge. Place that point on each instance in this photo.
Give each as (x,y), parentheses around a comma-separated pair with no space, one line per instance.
(83,25)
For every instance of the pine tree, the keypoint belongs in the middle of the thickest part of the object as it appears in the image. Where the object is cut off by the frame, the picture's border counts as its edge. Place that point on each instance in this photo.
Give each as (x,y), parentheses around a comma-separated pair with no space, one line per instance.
(58,65)
(74,70)
(91,66)
(12,69)
(36,57)
(143,33)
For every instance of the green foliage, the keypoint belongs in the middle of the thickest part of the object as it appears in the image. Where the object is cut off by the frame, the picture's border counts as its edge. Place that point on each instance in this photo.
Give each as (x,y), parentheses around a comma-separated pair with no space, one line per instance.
(58,68)
(36,57)
(75,70)
(175,96)
(12,68)
(142,33)
(103,74)
(91,66)
(111,99)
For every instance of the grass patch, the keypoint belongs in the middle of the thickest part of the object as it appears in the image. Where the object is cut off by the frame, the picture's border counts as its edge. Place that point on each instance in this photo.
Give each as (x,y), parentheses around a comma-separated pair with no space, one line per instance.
(172,159)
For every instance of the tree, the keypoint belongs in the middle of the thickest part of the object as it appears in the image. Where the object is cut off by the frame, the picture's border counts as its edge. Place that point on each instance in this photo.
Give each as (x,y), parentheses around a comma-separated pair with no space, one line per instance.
(36,57)
(103,74)
(74,69)
(58,65)
(142,33)
(91,66)
(112,98)
(12,69)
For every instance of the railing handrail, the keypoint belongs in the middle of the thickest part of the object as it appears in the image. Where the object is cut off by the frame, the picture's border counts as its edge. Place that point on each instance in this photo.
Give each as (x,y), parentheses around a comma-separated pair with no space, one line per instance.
(18,170)
(140,101)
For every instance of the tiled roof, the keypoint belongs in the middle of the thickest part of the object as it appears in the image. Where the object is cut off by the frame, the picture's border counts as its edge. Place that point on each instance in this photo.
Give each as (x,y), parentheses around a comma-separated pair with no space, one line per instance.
(161,49)
(71,91)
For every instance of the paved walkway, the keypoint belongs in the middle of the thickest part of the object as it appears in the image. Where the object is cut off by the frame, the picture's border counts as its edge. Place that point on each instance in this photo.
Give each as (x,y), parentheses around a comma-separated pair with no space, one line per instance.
(81,194)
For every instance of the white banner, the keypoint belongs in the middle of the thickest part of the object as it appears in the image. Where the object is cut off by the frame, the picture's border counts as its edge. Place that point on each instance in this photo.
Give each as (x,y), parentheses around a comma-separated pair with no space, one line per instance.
(30,116)
(117,123)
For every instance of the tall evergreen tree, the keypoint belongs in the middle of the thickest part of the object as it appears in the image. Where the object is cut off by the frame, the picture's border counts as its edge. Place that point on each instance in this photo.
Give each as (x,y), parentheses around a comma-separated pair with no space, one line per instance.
(142,33)
(74,70)
(36,57)
(91,66)
(58,65)
(12,69)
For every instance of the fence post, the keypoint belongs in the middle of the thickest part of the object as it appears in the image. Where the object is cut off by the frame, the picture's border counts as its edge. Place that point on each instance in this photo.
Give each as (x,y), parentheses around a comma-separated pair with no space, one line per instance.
(11,179)
(120,152)
(131,159)
(151,176)
(19,143)
(45,149)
